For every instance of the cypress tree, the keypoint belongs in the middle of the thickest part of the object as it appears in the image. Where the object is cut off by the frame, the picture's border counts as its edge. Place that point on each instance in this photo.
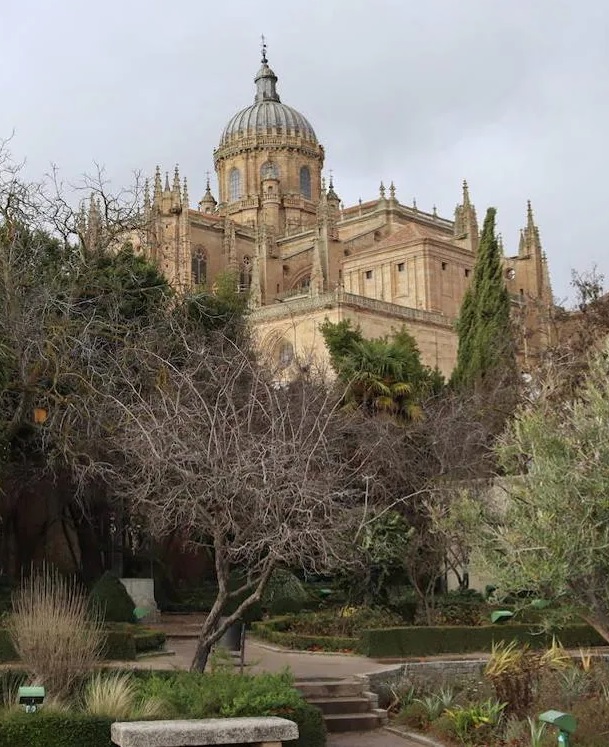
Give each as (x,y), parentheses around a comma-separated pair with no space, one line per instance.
(485,336)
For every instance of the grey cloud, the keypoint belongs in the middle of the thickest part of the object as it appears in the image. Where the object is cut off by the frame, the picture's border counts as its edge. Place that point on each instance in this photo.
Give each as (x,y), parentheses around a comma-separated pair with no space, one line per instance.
(511,95)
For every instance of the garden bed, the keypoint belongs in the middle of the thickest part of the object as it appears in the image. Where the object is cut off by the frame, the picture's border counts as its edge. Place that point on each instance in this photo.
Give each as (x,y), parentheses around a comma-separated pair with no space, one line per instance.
(304,633)
(183,695)
(123,642)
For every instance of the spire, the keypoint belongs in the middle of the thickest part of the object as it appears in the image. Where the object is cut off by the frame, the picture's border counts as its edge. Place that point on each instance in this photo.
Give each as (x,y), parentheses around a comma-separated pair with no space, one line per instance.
(529,239)
(167,187)
(157,183)
(266,80)
(332,196)
(530,218)
(466,201)
(176,180)
(185,199)
(146,198)
(207,204)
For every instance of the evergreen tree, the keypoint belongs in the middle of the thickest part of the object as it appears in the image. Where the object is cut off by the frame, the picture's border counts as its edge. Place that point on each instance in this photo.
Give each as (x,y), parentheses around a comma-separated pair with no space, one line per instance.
(383,375)
(485,337)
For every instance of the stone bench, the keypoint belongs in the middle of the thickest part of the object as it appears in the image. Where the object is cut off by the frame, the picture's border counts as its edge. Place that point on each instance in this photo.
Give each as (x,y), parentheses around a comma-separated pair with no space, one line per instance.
(269,731)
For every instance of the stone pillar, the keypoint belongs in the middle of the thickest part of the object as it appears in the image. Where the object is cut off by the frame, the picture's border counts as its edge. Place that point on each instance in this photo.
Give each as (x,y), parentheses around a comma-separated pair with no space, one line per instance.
(141,590)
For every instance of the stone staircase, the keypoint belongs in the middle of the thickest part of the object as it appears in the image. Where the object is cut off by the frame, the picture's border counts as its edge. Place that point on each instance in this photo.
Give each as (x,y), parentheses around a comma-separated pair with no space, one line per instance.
(345,705)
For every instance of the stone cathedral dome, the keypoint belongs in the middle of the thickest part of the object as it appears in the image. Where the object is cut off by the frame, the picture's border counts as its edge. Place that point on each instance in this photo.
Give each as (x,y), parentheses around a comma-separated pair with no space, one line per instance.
(267,115)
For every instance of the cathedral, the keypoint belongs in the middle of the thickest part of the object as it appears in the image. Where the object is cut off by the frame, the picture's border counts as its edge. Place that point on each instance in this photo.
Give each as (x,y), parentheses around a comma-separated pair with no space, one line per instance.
(302,256)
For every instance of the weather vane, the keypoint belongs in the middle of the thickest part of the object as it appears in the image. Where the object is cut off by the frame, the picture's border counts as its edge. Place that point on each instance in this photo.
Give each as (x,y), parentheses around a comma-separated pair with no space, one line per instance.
(263,40)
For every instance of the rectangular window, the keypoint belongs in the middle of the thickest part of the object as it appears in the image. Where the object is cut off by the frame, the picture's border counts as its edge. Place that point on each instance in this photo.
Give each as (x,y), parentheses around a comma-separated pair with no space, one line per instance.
(444,265)
(466,273)
(368,274)
(400,267)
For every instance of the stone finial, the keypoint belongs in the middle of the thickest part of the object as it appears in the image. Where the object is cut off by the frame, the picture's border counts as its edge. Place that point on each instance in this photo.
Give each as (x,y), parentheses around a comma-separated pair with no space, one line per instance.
(392,191)
(167,187)
(466,201)
(146,194)
(157,182)
(382,191)
(414,204)
(185,199)
(434,211)
(176,180)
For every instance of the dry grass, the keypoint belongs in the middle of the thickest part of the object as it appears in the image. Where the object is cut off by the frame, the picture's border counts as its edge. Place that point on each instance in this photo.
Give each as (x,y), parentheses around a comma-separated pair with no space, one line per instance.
(115,696)
(54,632)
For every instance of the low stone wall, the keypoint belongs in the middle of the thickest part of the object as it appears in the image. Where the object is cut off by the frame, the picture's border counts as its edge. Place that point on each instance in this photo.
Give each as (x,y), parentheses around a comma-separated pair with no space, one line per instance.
(269,731)
(419,673)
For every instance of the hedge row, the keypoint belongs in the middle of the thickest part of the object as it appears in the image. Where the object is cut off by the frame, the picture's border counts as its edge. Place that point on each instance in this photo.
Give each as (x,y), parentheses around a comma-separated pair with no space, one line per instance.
(427,641)
(122,644)
(48,729)
(298,642)
(44,729)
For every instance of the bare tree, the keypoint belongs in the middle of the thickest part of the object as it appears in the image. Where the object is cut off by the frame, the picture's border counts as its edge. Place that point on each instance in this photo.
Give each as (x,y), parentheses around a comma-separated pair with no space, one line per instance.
(264,475)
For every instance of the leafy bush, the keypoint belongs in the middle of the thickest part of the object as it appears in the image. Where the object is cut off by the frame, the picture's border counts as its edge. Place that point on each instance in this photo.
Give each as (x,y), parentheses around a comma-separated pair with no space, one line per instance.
(414,715)
(192,695)
(427,641)
(56,637)
(462,608)
(403,601)
(112,599)
(284,593)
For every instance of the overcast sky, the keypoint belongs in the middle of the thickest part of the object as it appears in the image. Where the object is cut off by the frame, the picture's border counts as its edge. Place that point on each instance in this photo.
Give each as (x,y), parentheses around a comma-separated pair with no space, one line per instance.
(512,95)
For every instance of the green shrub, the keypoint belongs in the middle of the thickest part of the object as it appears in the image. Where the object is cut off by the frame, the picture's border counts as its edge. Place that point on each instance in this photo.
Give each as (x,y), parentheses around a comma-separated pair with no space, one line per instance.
(462,608)
(427,641)
(192,695)
(7,650)
(403,601)
(284,594)
(119,646)
(414,715)
(444,727)
(112,599)
(49,729)
(148,640)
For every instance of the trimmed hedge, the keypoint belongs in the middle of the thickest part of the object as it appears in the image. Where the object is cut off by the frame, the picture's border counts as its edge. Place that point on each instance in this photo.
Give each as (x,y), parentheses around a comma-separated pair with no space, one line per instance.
(149,640)
(44,729)
(47,729)
(119,646)
(271,631)
(122,643)
(427,641)
(110,597)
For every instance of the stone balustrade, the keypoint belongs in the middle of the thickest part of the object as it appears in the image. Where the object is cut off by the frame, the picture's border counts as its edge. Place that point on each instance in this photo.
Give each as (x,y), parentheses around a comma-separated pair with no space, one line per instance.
(267,731)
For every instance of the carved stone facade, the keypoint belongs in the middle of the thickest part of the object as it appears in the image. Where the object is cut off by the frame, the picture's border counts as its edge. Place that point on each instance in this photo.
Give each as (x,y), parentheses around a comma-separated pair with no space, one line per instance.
(303,256)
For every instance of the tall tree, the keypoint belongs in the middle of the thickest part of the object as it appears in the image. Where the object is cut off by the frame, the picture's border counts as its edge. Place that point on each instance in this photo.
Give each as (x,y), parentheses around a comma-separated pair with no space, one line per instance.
(551,538)
(383,375)
(485,336)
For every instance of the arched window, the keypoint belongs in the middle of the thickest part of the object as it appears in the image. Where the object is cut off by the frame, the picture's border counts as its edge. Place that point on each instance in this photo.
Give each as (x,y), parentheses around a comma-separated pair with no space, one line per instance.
(269,170)
(234,185)
(305,182)
(199,267)
(245,275)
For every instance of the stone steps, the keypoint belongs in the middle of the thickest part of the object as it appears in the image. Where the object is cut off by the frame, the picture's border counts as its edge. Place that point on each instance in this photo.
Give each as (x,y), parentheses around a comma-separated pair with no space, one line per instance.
(344,704)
